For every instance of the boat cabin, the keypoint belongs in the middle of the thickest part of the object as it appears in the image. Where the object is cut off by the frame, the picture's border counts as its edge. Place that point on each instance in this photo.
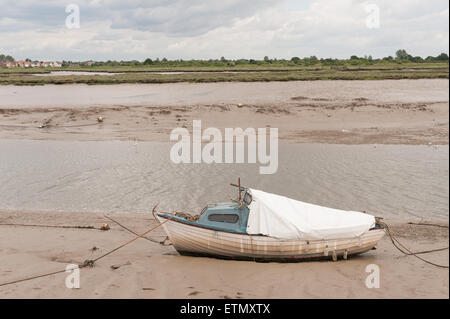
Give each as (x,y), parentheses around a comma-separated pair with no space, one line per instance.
(227,216)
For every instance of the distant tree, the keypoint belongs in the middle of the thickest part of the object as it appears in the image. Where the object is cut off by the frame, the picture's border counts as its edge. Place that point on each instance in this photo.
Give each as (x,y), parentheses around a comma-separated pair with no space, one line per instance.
(148,61)
(164,60)
(266,59)
(222,59)
(442,57)
(6,58)
(402,55)
(295,59)
(354,57)
(311,60)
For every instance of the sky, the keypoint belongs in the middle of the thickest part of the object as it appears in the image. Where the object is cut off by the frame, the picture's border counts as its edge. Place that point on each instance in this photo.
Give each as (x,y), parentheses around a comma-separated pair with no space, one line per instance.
(194,29)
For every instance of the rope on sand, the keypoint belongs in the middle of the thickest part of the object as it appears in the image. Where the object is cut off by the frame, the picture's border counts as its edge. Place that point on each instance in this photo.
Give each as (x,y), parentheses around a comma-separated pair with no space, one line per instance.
(408,252)
(88,262)
(54,226)
(428,251)
(129,230)
(17,125)
(426,224)
(47,125)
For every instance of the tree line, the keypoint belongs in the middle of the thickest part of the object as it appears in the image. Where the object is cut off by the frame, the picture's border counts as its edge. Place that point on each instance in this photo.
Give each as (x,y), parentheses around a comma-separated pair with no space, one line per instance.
(401,56)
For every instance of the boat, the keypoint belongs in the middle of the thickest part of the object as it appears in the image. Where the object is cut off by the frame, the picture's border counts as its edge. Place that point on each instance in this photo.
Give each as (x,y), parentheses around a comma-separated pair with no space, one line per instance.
(262,226)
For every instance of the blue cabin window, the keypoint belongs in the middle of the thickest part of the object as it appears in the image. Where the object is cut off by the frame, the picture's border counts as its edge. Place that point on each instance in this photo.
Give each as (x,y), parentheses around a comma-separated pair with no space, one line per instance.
(224,218)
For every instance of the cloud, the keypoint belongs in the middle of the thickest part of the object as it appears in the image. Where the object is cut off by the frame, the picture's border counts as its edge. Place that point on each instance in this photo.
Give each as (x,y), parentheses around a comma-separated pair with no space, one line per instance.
(185,17)
(137,29)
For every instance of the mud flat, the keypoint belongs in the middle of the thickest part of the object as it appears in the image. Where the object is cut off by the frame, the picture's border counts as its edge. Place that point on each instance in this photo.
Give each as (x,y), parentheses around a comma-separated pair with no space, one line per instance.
(67,178)
(337,112)
(149,270)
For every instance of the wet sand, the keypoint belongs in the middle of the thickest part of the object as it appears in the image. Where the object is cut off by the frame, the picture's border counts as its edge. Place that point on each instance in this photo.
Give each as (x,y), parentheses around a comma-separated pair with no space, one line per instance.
(338,112)
(148,270)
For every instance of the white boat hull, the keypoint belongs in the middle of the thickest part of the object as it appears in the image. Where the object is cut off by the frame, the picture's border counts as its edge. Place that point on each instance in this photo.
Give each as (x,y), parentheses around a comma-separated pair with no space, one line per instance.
(199,240)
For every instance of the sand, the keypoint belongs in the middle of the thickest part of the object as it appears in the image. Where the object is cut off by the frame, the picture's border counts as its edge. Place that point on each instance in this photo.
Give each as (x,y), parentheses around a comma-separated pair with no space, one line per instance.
(145,269)
(339,112)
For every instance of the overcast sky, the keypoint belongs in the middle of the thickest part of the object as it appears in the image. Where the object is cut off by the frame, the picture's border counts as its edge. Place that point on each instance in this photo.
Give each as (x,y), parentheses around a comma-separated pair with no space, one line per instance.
(137,29)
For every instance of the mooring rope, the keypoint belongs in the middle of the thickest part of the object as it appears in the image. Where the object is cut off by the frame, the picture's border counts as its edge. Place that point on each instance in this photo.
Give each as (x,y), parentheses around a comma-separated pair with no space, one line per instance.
(47,125)
(408,252)
(426,224)
(88,262)
(133,232)
(53,226)
(17,125)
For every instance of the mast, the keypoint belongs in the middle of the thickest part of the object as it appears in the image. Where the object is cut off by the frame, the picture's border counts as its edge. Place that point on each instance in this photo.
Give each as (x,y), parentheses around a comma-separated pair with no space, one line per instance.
(239,187)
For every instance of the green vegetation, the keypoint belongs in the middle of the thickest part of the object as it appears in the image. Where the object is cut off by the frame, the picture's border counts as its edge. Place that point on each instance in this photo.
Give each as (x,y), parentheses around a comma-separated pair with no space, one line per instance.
(6,58)
(402,66)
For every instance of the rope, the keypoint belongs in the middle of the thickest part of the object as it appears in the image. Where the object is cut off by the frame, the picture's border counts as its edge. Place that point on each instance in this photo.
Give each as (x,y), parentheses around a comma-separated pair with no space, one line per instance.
(47,125)
(428,251)
(395,241)
(30,278)
(87,262)
(17,125)
(127,229)
(52,226)
(127,243)
(425,224)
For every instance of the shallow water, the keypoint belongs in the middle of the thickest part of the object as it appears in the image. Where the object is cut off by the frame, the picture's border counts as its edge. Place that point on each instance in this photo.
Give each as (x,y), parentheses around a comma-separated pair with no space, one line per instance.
(81,95)
(387,180)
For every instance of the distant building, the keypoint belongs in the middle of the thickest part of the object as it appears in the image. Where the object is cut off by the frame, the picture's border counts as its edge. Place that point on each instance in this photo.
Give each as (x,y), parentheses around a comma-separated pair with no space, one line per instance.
(87,63)
(30,64)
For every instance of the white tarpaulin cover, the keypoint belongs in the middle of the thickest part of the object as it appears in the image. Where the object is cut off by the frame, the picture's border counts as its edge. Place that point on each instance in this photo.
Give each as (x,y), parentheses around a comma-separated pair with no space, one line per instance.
(286,218)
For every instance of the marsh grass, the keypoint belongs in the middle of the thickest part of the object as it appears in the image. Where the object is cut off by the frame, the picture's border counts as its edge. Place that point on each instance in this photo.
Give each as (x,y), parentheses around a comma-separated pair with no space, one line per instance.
(143,74)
